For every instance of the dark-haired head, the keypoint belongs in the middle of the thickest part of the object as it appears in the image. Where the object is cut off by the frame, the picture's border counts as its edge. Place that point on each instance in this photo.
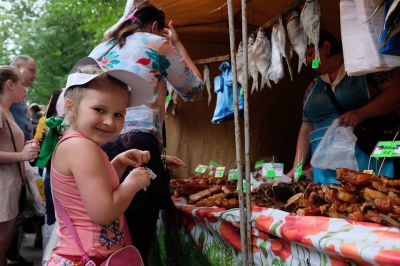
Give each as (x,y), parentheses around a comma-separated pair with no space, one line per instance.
(144,17)
(336,46)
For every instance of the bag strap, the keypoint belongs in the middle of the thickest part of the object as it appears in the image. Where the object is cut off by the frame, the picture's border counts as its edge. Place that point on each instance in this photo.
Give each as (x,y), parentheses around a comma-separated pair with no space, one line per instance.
(333,99)
(15,149)
(71,228)
(74,233)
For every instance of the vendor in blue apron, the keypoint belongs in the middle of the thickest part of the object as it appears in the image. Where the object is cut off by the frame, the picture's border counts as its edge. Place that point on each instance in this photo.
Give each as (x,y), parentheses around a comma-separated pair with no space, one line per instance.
(366,96)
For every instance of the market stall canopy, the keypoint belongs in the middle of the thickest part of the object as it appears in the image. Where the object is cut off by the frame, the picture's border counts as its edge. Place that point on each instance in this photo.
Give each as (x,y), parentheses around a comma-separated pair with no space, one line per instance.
(207,20)
(204,30)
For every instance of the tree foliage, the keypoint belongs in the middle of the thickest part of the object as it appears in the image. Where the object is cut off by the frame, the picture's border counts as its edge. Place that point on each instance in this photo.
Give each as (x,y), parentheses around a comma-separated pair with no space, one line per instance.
(56,33)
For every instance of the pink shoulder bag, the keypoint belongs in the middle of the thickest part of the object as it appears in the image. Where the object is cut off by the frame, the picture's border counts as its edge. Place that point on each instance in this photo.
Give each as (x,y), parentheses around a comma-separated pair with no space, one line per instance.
(127,255)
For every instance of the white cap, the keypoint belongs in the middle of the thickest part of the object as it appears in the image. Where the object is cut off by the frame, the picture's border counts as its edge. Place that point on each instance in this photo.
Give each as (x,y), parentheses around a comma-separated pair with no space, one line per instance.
(140,89)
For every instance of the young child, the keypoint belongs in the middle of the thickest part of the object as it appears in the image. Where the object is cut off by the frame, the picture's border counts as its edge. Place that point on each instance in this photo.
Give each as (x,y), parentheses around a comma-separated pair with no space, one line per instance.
(83,180)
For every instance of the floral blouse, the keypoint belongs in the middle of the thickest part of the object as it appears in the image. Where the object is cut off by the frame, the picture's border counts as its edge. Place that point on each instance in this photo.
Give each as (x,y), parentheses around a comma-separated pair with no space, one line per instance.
(153,58)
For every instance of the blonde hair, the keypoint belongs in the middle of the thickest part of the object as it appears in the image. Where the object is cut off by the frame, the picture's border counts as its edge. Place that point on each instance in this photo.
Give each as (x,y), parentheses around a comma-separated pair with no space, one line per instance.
(75,93)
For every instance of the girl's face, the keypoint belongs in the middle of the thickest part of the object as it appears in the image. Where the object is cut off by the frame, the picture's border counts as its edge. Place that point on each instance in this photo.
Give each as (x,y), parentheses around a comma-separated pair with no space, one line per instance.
(19,90)
(101,112)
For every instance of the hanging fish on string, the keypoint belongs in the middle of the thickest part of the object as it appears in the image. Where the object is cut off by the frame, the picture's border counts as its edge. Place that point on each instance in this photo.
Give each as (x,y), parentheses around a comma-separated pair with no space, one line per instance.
(310,20)
(252,64)
(239,64)
(285,48)
(207,82)
(298,38)
(261,56)
(275,71)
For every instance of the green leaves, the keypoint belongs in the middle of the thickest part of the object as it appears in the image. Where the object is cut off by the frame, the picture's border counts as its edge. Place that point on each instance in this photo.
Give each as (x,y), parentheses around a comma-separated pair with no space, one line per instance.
(56,33)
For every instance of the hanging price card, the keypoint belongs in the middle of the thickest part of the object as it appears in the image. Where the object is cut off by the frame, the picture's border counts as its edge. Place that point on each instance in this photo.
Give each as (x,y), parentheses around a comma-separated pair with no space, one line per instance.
(232,175)
(258,165)
(220,171)
(201,168)
(386,149)
(298,170)
(315,63)
(272,170)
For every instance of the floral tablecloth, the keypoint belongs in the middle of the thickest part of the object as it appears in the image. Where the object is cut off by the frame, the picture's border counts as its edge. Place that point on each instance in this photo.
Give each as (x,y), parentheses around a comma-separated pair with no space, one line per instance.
(278,239)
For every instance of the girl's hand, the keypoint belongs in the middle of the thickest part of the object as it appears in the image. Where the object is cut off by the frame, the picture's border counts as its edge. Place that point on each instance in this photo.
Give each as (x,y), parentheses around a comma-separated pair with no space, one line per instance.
(134,157)
(174,162)
(30,151)
(140,176)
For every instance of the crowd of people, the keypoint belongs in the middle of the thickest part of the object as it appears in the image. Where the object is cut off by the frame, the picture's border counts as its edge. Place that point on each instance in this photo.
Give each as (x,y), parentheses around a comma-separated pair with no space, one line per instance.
(121,169)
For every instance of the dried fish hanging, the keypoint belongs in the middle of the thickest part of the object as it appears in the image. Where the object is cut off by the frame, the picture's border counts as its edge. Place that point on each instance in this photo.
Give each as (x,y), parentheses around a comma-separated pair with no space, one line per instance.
(261,56)
(207,82)
(310,20)
(252,64)
(297,37)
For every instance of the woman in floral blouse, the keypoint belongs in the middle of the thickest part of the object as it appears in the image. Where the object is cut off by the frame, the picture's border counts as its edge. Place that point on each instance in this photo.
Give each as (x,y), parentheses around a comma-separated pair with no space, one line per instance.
(143,45)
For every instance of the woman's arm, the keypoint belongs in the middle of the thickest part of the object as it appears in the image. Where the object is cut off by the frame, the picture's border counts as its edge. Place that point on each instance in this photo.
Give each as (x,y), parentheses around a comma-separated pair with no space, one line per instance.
(29,152)
(173,37)
(384,103)
(303,147)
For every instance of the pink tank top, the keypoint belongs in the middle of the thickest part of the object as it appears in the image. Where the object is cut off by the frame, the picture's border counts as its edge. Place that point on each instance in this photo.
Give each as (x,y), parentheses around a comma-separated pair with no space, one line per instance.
(98,240)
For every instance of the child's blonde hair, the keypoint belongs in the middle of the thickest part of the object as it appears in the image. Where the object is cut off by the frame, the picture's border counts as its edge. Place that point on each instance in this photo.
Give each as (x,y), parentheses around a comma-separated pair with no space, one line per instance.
(75,93)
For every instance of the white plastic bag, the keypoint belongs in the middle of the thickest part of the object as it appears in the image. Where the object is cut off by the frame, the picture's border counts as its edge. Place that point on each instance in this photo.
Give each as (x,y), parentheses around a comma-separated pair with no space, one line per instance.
(336,149)
(36,182)
(360,38)
(48,248)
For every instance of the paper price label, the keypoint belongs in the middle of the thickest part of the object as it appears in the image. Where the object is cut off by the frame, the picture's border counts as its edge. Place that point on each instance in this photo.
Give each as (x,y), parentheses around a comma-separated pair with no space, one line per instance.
(258,165)
(220,171)
(232,175)
(386,149)
(298,170)
(368,172)
(315,63)
(201,168)
(272,170)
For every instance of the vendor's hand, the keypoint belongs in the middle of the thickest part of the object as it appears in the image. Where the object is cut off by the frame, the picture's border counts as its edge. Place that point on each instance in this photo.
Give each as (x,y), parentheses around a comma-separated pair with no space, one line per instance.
(352,118)
(171,34)
(30,151)
(173,162)
(134,157)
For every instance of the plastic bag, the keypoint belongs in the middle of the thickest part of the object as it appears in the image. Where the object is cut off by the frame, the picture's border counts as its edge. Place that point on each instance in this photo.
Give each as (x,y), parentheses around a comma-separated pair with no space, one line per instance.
(336,149)
(34,205)
(51,243)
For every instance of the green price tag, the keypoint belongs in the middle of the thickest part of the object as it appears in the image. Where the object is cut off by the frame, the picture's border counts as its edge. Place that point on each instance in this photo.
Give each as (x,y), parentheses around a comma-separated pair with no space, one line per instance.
(258,165)
(168,98)
(220,171)
(232,175)
(201,168)
(270,173)
(386,149)
(272,170)
(298,170)
(315,63)
(241,91)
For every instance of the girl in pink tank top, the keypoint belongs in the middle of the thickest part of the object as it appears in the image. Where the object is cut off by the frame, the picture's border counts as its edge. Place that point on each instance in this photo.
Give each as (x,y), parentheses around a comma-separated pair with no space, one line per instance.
(83,180)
